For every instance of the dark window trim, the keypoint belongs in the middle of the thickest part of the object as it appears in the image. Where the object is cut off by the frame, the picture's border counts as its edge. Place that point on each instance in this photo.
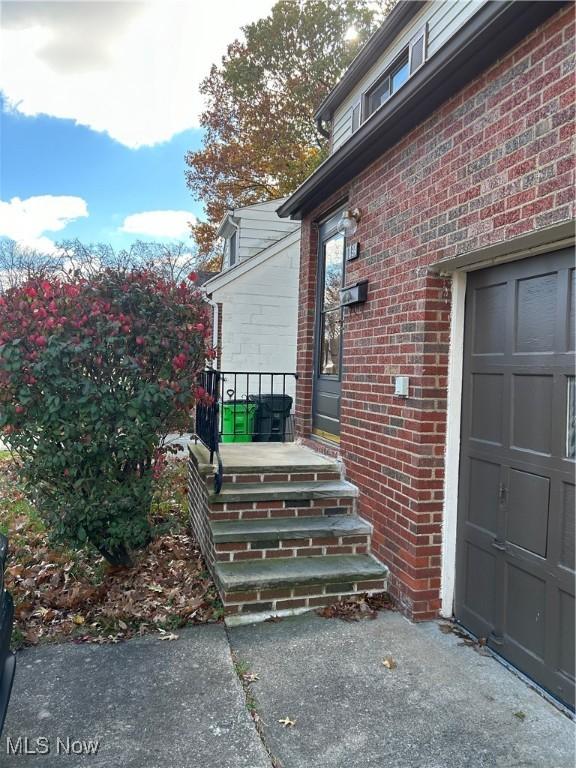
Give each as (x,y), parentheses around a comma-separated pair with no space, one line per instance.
(400,61)
(394,23)
(488,35)
(421,34)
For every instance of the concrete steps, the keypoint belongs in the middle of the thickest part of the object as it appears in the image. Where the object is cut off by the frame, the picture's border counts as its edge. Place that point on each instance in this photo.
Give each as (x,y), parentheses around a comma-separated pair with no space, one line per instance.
(296,583)
(285,491)
(290,528)
(283,534)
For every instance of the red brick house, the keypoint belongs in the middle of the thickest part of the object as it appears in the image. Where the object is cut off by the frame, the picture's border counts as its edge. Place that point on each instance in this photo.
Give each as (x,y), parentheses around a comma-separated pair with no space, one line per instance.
(448,390)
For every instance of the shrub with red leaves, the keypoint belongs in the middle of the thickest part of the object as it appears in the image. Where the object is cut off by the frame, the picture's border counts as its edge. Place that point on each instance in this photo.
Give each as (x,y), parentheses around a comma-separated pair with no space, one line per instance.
(92,371)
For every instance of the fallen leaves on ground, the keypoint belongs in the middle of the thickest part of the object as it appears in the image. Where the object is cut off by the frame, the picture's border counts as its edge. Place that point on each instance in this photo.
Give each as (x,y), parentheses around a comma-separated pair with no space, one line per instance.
(62,594)
(287,722)
(451,628)
(389,663)
(358,607)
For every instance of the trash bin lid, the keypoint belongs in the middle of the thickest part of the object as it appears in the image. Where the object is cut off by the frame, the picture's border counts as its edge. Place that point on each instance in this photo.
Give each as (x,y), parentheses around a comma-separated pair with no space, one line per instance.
(276,403)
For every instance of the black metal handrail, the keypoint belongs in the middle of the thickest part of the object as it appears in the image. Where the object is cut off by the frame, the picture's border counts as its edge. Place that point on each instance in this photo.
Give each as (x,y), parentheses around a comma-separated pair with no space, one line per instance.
(244,406)
(206,425)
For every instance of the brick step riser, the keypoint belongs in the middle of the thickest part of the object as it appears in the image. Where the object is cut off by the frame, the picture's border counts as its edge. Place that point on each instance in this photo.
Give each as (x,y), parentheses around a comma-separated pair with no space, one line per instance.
(276,477)
(310,596)
(312,547)
(262,510)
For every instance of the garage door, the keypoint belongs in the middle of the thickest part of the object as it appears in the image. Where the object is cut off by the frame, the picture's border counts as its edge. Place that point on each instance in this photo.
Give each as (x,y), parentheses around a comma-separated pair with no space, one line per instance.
(515,559)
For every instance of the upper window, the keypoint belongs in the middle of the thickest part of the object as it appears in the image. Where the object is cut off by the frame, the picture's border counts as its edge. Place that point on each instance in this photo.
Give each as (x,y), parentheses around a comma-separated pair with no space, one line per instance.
(411,59)
(388,84)
(232,249)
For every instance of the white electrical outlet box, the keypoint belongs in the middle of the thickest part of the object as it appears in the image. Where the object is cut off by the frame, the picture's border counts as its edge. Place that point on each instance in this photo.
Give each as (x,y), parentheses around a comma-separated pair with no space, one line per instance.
(401,385)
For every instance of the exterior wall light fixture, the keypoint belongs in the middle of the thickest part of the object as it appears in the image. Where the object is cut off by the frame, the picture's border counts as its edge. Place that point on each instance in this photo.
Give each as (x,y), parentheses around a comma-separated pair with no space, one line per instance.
(348,224)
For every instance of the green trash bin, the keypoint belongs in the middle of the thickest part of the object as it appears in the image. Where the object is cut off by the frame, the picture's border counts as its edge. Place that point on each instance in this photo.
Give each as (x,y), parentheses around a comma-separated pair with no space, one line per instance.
(238,421)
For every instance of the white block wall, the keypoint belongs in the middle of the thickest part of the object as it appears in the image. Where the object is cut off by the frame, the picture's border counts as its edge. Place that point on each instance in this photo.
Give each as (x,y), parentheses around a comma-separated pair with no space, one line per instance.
(259,319)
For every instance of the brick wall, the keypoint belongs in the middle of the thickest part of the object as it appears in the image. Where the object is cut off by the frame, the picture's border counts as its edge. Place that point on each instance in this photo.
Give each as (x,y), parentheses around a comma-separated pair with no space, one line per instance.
(493,162)
(198,478)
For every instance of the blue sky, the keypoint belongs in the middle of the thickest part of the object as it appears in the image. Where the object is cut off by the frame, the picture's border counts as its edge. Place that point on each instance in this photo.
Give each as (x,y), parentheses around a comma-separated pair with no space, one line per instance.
(49,156)
(99,102)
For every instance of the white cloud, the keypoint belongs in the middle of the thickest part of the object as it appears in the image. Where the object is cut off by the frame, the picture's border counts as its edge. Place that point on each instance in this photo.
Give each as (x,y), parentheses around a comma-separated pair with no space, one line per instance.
(130,69)
(173,224)
(27,221)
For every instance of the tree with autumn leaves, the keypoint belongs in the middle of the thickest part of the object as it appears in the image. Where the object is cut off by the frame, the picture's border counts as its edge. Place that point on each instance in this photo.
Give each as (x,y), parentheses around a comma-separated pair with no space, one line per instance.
(92,371)
(260,137)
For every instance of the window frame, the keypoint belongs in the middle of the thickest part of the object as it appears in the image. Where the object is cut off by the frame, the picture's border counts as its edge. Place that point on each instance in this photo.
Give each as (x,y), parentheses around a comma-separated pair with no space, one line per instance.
(402,60)
(405,56)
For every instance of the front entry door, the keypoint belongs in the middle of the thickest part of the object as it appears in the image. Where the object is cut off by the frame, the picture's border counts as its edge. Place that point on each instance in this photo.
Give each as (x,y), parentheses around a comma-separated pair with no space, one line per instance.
(515,569)
(328,356)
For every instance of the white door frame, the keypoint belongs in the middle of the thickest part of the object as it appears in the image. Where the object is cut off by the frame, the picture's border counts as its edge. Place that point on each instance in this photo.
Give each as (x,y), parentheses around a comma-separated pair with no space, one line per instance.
(533,244)
(452,455)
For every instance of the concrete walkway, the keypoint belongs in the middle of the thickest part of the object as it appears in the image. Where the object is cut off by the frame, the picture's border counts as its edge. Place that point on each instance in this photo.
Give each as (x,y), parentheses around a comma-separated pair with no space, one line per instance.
(149,703)
(179,704)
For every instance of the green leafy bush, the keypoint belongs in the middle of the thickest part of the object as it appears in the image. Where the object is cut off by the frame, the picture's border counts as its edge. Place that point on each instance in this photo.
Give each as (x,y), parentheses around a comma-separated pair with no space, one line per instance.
(92,372)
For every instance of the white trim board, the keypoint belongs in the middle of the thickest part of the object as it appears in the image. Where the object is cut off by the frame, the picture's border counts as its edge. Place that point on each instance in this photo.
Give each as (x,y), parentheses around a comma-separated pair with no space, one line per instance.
(452,455)
(522,247)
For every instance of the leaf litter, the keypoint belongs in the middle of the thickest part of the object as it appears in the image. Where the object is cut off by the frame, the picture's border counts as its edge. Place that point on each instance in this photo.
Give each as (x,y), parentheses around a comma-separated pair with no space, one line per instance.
(62,594)
(358,607)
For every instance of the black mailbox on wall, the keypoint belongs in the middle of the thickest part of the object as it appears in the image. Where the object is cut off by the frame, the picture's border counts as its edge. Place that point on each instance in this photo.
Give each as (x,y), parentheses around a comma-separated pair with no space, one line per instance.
(354,294)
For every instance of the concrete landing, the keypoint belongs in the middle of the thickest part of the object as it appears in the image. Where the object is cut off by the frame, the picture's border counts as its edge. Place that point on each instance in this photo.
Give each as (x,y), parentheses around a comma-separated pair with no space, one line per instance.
(266,457)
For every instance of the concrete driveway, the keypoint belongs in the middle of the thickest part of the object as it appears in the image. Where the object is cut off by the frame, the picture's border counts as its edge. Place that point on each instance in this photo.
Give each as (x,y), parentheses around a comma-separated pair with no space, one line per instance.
(178,704)
(443,706)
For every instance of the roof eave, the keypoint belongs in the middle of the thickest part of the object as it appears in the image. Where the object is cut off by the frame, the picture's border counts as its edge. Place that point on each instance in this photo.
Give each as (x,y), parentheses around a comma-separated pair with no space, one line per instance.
(489,34)
(392,25)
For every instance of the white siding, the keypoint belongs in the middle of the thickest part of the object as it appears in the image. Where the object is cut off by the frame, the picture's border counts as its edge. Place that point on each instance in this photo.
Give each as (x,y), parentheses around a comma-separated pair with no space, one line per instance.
(443,17)
(258,227)
(259,318)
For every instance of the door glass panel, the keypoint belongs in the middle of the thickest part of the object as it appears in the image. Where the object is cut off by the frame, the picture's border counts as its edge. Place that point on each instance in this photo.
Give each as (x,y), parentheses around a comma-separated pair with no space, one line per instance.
(330,343)
(571,419)
(333,269)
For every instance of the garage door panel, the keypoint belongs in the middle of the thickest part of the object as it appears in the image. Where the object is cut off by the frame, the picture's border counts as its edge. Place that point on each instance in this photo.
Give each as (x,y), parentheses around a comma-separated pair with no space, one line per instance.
(525,617)
(489,318)
(483,487)
(536,314)
(532,397)
(479,596)
(487,407)
(528,510)
(516,529)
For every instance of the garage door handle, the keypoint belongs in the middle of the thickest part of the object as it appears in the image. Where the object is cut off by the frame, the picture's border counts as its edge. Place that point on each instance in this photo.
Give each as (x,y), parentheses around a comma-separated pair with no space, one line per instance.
(499,545)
